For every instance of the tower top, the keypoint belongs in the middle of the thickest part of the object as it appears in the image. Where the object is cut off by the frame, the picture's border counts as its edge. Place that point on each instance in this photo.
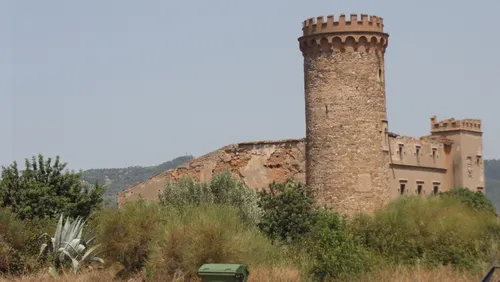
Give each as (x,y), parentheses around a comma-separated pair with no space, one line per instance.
(364,34)
(452,124)
(313,26)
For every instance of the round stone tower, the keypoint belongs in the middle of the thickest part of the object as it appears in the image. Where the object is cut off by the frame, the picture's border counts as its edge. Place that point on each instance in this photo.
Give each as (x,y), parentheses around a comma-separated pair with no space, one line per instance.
(347,151)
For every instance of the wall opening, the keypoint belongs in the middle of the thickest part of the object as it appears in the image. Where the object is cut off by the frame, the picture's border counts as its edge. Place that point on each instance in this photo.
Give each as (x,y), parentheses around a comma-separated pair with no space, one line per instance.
(402,188)
(385,136)
(434,155)
(420,188)
(435,189)
(400,152)
(417,153)
(480,190)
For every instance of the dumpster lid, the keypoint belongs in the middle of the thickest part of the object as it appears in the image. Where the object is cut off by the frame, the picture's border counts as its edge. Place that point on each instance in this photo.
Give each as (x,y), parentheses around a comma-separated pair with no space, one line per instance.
(220,268)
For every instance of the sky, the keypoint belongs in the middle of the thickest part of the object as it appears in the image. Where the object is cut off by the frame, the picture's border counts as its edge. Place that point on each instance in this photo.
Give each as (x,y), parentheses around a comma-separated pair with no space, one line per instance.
(122,83)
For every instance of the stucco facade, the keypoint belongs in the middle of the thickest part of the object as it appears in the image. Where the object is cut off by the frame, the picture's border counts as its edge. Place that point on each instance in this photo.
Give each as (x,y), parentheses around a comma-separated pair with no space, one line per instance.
(349,156)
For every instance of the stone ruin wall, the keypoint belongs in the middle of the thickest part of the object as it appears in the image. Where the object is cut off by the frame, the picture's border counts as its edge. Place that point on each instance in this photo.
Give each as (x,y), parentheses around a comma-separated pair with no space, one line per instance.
(256,163)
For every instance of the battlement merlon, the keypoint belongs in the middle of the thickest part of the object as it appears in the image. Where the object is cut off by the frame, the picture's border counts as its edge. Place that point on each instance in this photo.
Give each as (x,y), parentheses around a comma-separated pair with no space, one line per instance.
(318,25)
(365,35)
(455,125)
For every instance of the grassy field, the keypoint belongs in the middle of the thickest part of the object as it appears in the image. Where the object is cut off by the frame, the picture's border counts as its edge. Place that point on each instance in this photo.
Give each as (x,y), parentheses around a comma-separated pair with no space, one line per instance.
(281,236)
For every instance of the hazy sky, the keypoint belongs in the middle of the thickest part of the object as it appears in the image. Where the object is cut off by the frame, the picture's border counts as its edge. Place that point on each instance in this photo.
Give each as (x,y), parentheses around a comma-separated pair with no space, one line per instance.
(120,83)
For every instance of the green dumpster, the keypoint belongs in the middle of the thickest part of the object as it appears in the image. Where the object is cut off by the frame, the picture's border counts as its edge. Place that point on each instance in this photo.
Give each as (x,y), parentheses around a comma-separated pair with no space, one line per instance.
(216,272)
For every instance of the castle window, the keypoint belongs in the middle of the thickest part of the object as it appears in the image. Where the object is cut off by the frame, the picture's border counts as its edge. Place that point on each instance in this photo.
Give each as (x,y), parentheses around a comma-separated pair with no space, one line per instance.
(435,188)
(400,152)
(420,188)
(402,186)
(417,152)
(434,153)
(478,160)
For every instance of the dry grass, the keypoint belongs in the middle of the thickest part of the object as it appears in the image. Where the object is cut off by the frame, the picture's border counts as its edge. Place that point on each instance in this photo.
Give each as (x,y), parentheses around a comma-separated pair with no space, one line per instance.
(280,274)
(259,274)
(88,276)
(420,274)
(275,274)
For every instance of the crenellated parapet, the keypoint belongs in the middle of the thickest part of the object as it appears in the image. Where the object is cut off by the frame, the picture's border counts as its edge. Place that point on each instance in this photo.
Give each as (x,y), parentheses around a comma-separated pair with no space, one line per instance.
(365,34)
(453,125)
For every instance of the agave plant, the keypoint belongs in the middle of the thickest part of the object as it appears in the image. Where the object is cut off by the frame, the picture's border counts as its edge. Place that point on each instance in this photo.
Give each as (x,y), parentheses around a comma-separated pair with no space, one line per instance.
(68,243)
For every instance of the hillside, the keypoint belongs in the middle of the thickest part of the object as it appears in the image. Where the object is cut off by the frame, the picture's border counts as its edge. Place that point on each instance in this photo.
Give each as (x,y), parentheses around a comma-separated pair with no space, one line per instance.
(118,179)
(492,175)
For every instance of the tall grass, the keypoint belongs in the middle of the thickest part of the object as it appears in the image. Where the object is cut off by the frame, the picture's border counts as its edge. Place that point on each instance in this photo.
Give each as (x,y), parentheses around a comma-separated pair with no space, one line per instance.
(431,231)
(210,234)
(128,236)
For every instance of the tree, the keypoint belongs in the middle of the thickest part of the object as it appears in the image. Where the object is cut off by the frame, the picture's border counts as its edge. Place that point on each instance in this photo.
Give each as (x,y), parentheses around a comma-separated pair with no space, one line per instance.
(288,210)
(45,190)
(475,200)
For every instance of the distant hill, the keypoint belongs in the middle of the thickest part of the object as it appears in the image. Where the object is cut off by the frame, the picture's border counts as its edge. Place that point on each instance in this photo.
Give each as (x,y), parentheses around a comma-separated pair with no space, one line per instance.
(492,175)
(118,179)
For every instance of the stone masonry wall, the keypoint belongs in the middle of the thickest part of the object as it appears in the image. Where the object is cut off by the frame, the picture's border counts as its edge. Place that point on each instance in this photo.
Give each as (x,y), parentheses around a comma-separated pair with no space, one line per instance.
(347,161)
(257,163)
(345,109)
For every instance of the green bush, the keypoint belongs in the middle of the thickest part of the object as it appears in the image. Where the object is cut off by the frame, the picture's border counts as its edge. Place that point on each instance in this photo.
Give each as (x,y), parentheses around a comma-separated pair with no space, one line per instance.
(336,254)
(223,189)
(209,234)
(432,231)
(45,190)
(13,237)
(288,210)
(19,244)
(128,235)
(475,200)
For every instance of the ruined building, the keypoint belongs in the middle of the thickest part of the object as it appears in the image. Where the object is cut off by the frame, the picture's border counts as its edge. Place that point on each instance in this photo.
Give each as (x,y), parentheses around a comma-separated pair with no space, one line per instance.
(349,156)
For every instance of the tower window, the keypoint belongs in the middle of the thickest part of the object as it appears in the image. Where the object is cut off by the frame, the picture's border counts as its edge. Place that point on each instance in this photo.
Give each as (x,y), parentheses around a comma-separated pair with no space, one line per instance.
(434,155)
(417,153)
(478,160)
(400,152)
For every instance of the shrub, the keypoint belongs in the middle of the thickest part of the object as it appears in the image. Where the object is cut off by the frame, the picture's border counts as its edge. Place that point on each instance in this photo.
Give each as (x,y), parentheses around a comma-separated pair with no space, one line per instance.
(475,200)
(13,237)
(335,252)
(288,210)
(223,189)
(209,234)
(68,245)
(127,235)
(433,231)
